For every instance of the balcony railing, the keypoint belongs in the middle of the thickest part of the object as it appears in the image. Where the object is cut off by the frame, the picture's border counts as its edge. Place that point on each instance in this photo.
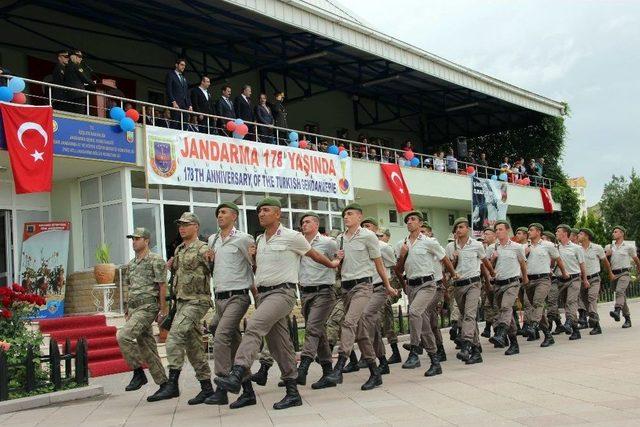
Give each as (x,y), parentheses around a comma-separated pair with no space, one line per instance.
(98,104)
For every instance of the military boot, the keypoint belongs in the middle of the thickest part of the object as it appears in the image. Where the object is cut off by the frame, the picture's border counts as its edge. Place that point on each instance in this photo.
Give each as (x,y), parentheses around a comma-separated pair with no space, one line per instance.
(323,382)
(292,398)
(219,397)
(453,331)
(247,398)
(559,328)
(335,377)
(352,366)
(139,379)
(583,322)
(412,361)
(514,348)
(548,338)
(487,330)
(575,333)
(407,346)
(627,321)
(615,314)
(499,339)
(206,390)
(233,381)
(395,354)
(383,366)
(435,368)
(465,351)
(476,355)
(303,369)
(569,327)
(261,376)
(442,355)
(375,379)
(168,390)
(597,330)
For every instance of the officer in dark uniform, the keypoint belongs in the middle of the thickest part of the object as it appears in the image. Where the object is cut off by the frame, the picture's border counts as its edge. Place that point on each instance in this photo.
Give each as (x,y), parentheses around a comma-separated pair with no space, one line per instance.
(78,76)
(57,75)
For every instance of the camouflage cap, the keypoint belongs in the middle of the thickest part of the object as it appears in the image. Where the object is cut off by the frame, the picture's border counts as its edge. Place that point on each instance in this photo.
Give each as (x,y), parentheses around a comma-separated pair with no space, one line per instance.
(188,218)
(523,229)
(229,205)
(269,201)
(351,206)
(309,213)
(413,213)
(621,228)
(503,222)
(550,236)
(459,221)
(588,232)
(537,225)
(140,232)
(370,220)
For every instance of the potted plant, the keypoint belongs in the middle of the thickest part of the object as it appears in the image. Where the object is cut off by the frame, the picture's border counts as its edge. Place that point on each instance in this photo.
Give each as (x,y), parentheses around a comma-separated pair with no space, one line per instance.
(104,271)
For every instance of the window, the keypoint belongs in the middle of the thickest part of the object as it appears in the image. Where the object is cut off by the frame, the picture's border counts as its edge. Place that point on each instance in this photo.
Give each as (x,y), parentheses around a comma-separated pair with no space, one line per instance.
(299,202)
(393,216)
(138,190)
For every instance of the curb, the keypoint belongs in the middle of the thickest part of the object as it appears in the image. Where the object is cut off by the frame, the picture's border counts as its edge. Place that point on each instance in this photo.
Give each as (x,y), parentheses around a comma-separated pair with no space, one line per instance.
(50,398)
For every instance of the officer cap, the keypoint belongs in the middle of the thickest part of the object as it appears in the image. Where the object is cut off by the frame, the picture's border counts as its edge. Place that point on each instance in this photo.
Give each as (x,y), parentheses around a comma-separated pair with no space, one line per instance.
(500,221)
(565,227)
(370,220)
(523,229)
(352,207)
(229,205)
(188,218)
(269,201)
(550,235)
(140,232)
(413,213)
(621,228)
(310,213)
(537,225)
(588,232)
(459,221)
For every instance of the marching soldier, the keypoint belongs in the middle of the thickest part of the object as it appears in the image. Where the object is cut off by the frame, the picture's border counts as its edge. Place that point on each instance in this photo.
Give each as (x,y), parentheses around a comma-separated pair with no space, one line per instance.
(266,362)
(361,258)
(232,253)
(593,256)
(433,311)
(573,259)
(621,254)
(146,276)
(487,290)
(468,255)
(541,255)
(386,314)
(522,235)
(553,299)
(190,287)
(573,236)
(510,272)
(278,255)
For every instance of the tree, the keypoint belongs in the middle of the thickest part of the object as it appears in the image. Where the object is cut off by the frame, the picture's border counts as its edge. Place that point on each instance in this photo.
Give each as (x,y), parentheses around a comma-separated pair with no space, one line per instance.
(602,236)
(620,204)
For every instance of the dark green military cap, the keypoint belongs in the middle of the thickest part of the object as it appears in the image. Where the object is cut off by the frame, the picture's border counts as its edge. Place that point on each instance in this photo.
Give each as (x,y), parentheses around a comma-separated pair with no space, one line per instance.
(564,226)
(188,218)
(309,213)
(503,222)
(537,225)
(413,213)
(458,222)
(370,220)
(140,232)
(352,206)
(575,230)
(621,228)
(489,228)
(269,201)
(550,235)
(229,205)
(523,229)
(588,232)
(386,232)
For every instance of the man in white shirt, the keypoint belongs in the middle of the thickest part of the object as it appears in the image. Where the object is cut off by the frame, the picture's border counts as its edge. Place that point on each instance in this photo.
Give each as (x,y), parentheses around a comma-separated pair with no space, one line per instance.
(593,256)
(621,254)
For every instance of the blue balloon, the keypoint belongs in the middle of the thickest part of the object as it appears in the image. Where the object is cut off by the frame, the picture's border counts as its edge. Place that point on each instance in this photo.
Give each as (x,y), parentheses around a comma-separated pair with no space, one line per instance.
(16,84)
(293,136)
(344,154)
(117,113)
(503,177)
(239,121)
(294,144)
(127,124)
(415,162)
(237,135)
(333,149)
(6,94)
(401,162)
(494,177)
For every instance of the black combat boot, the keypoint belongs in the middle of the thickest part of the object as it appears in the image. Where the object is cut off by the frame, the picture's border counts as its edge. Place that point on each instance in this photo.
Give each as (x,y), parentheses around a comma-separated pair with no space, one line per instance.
(303,369)
(168,390)
(384,365)
(575,332)
(583,322)
(465,351)
(487,330)
(559,328)
(407,346)
(412,361)
(569,327)
(435,368)
(533,333)
(247,398)
(442,355)
(499,339)
(362,363)
(139,379)
(206,390)
(548,338)
(335,377)
(261,376)
(352,366)
(233,381)
(627,321)
(514,348)
(395,354)
(476,355)
(219,397)
(322,382)
(292,398)
(375,379)
(615,314)
(597,330)
(453,332)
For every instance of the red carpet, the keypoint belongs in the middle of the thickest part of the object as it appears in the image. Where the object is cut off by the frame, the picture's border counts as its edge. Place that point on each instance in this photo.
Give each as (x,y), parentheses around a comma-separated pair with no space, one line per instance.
(105,357)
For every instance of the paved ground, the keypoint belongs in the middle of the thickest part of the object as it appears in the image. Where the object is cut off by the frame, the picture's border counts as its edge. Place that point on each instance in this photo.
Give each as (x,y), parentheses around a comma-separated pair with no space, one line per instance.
(592,381)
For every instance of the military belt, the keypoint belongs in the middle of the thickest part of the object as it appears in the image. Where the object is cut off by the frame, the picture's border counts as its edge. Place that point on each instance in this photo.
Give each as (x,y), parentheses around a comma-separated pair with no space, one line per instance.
(508,281)
(229,294)
(571,277)
(140,302)
(537,276)
(420,280)
(350,284)
(593,276)
(620,271)
(317,288)
(286,285)
(465,282)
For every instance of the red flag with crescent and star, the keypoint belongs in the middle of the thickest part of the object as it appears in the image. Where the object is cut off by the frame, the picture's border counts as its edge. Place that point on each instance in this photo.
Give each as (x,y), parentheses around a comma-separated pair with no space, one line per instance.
(547,200)
(28,131)
(398,187)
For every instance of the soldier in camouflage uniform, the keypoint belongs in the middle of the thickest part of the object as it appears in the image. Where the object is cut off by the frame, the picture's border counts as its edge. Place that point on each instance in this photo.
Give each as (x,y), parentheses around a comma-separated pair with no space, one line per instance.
(146,276)
(193,299)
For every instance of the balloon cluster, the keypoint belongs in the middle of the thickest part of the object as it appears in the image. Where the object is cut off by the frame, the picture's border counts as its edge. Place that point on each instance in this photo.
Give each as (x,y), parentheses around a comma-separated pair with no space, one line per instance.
(338,151)
(12,92)
(410,159)
(471,171)
(503,177)
(127,120)
(523,181)
(238,128)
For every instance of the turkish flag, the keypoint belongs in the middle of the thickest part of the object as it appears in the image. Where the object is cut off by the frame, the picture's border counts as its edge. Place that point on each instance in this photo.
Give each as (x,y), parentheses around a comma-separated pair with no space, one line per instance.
(547,200)
(398,187)
(28,131)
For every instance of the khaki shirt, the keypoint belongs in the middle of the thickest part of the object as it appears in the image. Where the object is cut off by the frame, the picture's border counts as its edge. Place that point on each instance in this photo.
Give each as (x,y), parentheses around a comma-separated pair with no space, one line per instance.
(144,275)
(572,255)
(621,256)
(508,261)
(359,252)
(470,257)
(540,256)
(232,268)
(191,280)
(313,273)
(278,258)
(592,257)
(388,260)
(423,257)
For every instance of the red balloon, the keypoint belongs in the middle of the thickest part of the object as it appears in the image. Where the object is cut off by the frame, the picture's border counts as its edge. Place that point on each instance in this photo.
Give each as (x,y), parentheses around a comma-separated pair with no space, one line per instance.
(526,181)
(341,149)
(303,143)
(19,98)
(231,126)
(408,154)
(133,114)
(470,170)
(242,129)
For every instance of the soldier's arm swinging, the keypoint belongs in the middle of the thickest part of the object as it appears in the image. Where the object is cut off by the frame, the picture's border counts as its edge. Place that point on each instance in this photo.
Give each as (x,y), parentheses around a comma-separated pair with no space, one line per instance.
(560,265)
(489,267)
(583,275)
(523,270)
(383,275)
(321,259)
(607,266)
(449,266)
(163,298)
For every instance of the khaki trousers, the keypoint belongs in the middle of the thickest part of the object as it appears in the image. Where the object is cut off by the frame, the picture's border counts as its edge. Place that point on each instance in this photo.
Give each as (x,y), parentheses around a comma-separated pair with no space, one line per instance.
(185,337)
(468,298)
(589,298)
(316,308)
(430,321)
(371,319)
(229,313)
(622,283)
(553,300)
(353,330)
(504,298)
(488,306)
(572,291)
(269,321)
(535,295)
(420,297)
(388,322)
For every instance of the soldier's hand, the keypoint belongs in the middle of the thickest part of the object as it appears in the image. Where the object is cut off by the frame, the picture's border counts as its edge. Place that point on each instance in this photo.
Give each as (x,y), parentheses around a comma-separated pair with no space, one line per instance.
(612,277)
(455,277)
(252,250)
(586,284)
(170,263)
(525,280)
(335,263)
(210,256)
(340,254)
(390,291)
(565,275)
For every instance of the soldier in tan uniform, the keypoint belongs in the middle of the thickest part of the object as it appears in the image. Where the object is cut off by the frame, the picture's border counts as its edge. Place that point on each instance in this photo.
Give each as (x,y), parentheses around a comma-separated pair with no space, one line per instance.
(146,276)
(387,320)
(489,235)
(621,254)
(278,255)
(190,287)
(593,256)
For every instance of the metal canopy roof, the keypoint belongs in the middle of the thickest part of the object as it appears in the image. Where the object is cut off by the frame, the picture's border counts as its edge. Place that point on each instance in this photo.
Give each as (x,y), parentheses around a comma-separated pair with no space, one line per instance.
(308,48)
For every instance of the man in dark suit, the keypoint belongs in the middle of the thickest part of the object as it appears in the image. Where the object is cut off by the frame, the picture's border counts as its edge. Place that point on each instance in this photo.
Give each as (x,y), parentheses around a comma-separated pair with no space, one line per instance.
(78,76)
(202,102)
(224,108)
(178,93)
(244,109)
(57,77)
(264,116)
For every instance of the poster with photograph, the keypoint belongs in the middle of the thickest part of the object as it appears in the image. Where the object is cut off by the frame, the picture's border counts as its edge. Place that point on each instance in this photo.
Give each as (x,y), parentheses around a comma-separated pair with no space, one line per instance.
(488,203)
